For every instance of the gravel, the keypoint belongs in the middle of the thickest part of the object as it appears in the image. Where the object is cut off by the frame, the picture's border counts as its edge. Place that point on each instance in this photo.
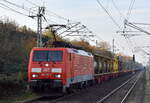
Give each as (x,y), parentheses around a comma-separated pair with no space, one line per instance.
(95,93)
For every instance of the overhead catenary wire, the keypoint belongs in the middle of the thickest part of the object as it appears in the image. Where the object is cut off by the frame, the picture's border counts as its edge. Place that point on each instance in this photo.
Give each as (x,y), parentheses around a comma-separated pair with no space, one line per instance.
(130,9)
(15,5)
(133,44)
(137,28)
(24,8)
(116,7)
(6,4)
(18,6)
(32,3)
(121,15)
(129,42)
(111,16)
(132,24)
(48,20)
(13,9)
(114,21)
(51,14)
(48,11)
(3,7)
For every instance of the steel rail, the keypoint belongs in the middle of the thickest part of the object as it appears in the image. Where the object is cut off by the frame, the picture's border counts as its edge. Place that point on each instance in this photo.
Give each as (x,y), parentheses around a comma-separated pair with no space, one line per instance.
(115,90)
(61,98)
(130,90)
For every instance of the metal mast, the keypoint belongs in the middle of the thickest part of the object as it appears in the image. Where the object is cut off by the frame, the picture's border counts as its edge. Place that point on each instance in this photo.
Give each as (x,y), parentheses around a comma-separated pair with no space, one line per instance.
(40,14)
(113,45)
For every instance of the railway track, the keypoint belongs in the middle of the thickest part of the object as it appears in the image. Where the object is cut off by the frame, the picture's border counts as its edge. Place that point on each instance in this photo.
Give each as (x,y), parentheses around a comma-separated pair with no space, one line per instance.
(104,99)
(48,99)
(121,93)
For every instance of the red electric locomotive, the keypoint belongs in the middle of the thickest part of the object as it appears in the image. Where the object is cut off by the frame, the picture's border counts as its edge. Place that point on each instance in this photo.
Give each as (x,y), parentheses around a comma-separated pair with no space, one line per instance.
(59,67)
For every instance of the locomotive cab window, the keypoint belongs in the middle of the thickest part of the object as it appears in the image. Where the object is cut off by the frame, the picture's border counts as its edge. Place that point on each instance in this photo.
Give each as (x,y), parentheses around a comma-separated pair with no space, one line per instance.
(54,56)
(40,56)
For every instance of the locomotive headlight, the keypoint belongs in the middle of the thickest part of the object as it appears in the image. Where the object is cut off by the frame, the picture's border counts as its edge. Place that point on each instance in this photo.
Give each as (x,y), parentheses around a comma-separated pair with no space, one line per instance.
(58,76)
(33,75)
(46,65)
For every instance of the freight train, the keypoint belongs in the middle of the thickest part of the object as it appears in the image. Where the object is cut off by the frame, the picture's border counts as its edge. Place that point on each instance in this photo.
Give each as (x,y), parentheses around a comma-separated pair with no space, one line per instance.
(70,68)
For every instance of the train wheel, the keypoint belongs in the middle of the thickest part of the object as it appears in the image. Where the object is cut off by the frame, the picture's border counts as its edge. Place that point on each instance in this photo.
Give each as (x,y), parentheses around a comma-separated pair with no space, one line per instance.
(64,89)
(67,90)
(33,88)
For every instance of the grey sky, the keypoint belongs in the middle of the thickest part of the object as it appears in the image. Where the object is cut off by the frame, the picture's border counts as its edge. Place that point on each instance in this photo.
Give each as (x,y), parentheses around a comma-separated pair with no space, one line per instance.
(89,13)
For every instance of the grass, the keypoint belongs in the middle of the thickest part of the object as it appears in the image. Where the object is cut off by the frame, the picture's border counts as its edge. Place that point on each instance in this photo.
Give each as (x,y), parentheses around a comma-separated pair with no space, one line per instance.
(12,91)
(18,97)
